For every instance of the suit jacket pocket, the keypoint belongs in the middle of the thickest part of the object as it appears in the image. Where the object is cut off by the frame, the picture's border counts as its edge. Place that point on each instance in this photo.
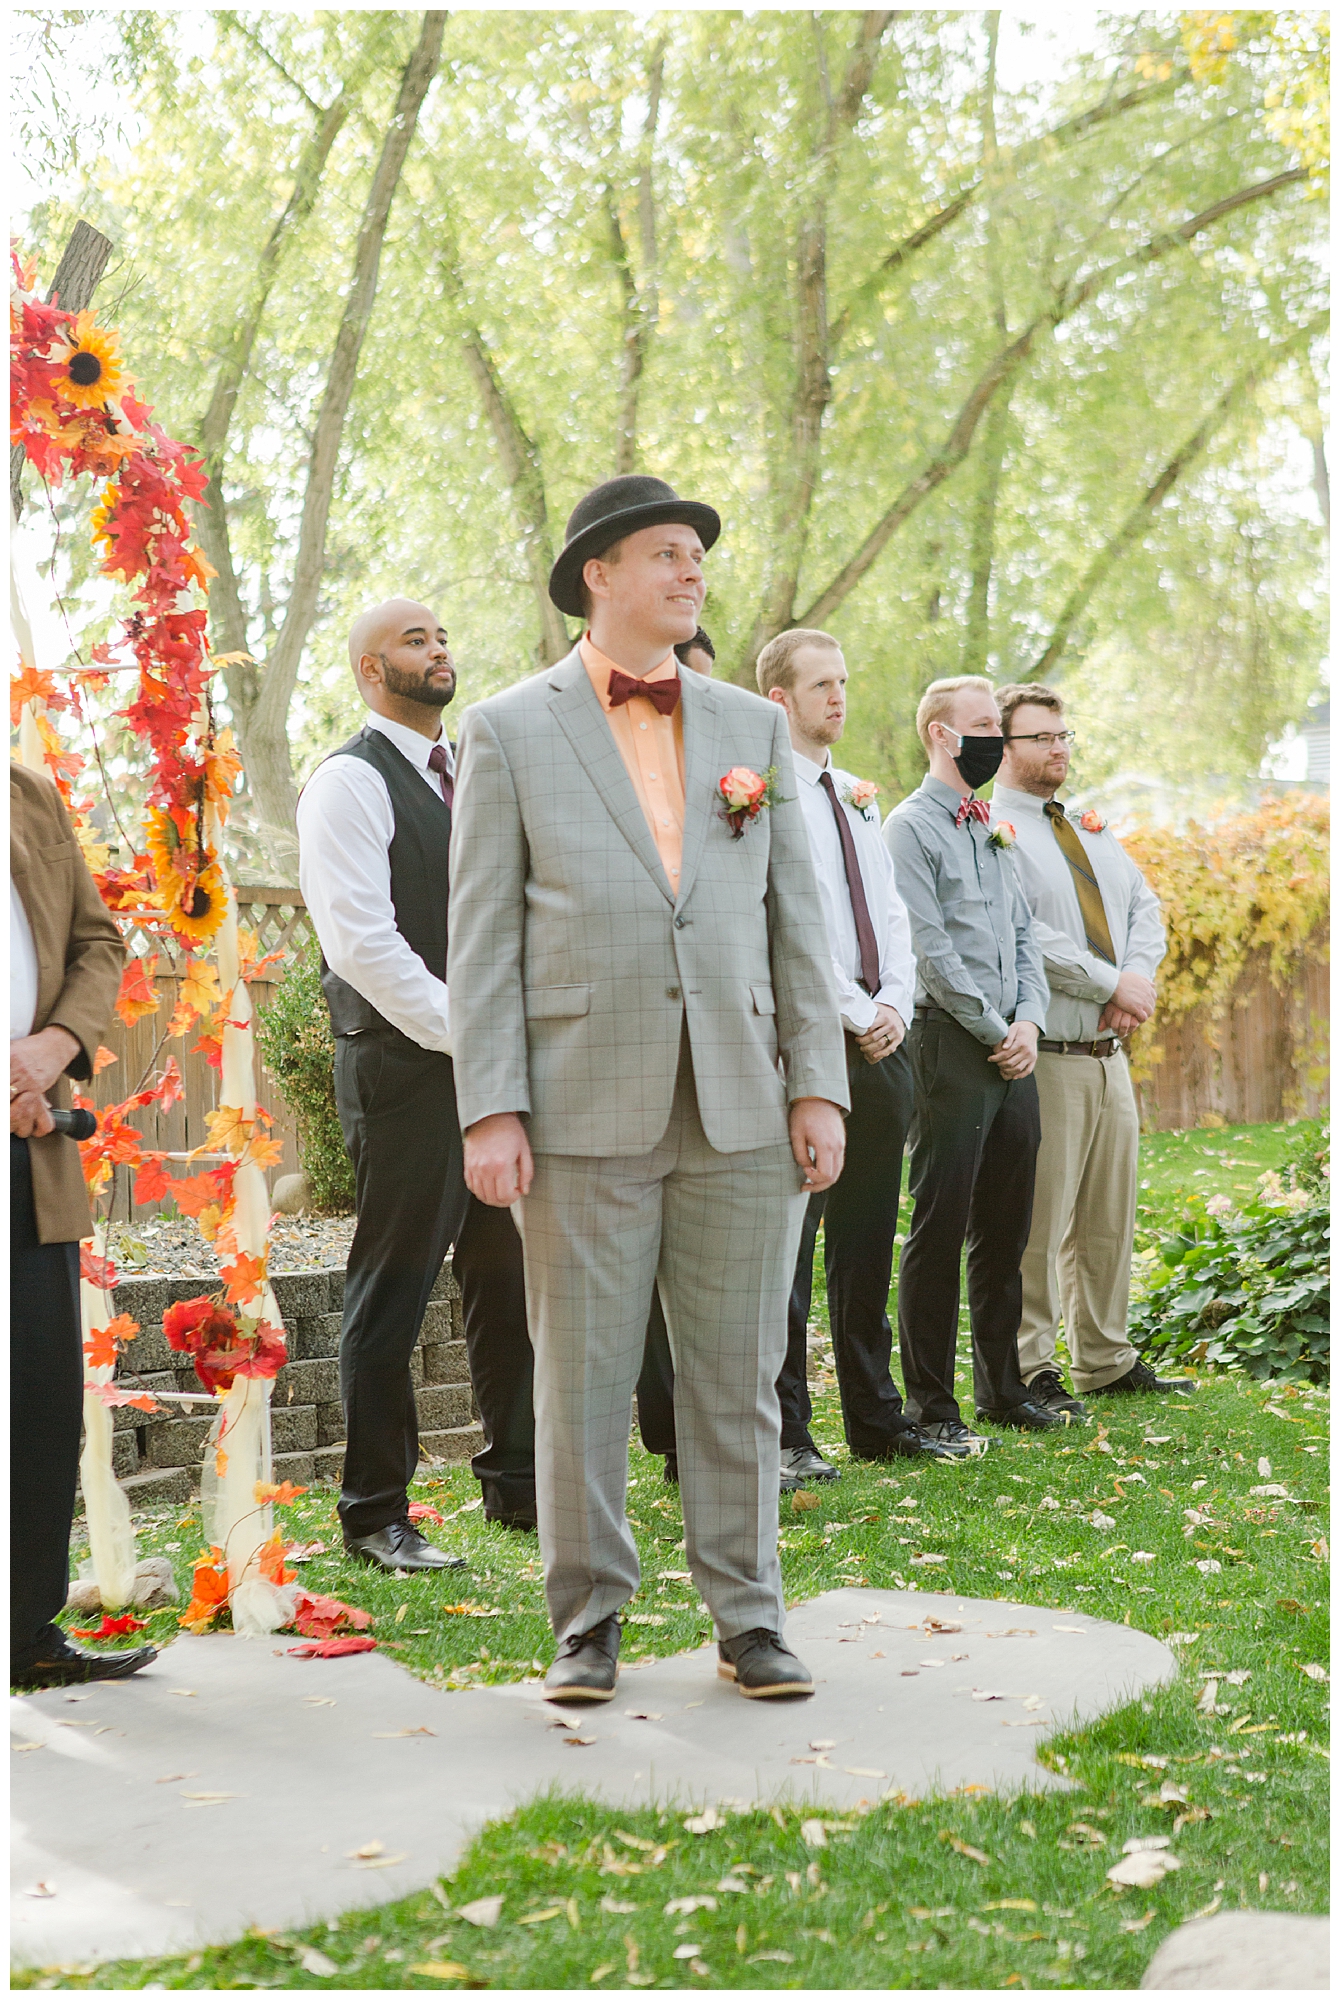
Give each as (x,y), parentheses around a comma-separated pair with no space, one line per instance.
(556,1003)
(762,997)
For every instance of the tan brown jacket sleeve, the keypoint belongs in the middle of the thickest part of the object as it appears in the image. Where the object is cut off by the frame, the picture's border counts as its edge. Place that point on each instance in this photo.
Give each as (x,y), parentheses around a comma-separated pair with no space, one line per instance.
(79,961)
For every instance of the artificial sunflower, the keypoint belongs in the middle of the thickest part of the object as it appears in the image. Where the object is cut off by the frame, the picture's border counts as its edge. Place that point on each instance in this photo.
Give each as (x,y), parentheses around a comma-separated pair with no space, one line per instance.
(174,864)
(197,911)
(89,370)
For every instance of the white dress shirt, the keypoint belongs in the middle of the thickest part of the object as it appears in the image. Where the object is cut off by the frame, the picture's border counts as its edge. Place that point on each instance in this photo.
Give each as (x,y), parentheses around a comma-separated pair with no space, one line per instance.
(345,829)
(22,968)
(888,916)
(1081,983)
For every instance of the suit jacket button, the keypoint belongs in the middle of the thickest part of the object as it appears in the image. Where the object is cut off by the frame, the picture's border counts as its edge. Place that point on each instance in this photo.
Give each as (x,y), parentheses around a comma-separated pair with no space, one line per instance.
(680,923)
(672,993)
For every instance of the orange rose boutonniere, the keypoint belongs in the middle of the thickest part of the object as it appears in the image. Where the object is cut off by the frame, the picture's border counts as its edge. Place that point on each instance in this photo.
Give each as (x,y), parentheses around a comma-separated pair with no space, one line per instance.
(1002,835)
(1093,822)
(745,795)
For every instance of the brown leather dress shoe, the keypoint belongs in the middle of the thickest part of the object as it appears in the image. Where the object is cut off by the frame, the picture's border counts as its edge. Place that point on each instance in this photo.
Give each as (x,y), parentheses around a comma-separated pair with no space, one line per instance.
(65,1665)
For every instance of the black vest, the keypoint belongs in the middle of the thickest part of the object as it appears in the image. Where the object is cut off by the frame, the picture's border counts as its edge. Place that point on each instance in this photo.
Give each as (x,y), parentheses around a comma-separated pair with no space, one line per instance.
(418,857)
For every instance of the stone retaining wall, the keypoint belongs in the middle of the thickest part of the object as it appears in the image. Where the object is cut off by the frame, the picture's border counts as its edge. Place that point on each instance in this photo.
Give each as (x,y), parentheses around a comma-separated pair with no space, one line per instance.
(156,1455)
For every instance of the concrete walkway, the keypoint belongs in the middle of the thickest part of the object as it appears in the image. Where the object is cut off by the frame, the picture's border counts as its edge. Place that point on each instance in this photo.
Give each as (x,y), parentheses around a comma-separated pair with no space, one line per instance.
(231,1784)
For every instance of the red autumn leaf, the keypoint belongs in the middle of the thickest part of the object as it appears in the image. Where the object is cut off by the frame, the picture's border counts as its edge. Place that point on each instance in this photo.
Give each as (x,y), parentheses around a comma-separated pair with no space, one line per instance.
(209,1592)
(419,1510)
(99,1271)
(137,996)
(272,1560)
(100,1348)
(194,1194)
(103,1060)
(317,1617)
(110,1628)
(153,1181)
(333,1649)
(117,1399)
(282,1495)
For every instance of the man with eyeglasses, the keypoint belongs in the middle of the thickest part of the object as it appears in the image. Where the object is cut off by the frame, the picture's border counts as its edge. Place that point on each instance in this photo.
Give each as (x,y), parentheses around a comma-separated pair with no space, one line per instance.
(1101,935)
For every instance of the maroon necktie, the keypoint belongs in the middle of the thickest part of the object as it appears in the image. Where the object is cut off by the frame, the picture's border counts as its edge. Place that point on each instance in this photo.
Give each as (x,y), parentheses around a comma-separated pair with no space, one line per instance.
(973,809)
(860,909)
(437,761)
(624,687)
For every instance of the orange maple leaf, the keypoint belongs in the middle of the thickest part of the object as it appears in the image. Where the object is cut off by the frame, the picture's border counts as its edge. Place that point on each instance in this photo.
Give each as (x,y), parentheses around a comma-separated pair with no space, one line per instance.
(272,1560)
(199,987)
(209,1591)
(32,685)
(195,1195)
(104,1342)
(282,1495)
(243,1278)
(153,1180)
(137,996)
(103,1060)
(265,1152)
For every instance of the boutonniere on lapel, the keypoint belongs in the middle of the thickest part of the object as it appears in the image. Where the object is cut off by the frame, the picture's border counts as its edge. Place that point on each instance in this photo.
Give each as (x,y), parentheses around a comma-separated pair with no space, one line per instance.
(1002,836)
(861,796)
(1093,822)
(745,795)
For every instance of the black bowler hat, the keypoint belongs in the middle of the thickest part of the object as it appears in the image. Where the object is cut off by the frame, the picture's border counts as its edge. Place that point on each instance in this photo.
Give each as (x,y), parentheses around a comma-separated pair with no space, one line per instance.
(607,513)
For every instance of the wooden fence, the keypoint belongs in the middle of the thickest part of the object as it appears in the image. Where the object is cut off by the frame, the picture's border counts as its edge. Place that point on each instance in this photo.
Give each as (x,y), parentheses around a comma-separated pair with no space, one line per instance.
(281,923)
(1265,1059)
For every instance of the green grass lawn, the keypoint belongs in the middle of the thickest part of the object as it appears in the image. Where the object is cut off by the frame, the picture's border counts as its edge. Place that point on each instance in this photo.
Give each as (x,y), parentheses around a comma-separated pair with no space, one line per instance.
(890,1901)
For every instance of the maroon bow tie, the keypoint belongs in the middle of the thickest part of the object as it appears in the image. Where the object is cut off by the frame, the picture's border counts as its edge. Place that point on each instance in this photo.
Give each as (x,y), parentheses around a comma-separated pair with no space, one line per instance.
(624,687)
(973,809)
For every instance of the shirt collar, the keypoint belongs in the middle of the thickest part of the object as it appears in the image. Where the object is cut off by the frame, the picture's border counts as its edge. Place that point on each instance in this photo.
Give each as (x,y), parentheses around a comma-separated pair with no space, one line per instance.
(415,749)
(808,772)
(600,666)
(1007,799)
(941,794)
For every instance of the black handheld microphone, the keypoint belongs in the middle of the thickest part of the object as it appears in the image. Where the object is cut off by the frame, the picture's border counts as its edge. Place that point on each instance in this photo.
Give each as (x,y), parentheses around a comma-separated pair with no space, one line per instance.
(75,1124)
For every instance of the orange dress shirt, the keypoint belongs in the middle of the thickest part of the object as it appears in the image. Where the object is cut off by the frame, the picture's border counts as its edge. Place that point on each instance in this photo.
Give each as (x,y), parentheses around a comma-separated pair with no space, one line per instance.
(652,748)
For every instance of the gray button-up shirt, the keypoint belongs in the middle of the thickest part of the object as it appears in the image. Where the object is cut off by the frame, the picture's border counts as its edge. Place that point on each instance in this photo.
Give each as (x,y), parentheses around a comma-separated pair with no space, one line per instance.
(1080,982)
(972,930)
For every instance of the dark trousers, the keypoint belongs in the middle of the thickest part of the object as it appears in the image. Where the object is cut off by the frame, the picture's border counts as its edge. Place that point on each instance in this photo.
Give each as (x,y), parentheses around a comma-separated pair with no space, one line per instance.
(397,1106)
(860,1218)
(656,1386)
(974,1148)
(46,1403)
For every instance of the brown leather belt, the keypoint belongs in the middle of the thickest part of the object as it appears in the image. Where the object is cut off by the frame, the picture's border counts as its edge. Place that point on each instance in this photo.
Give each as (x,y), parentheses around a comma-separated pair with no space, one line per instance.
(1106,1045)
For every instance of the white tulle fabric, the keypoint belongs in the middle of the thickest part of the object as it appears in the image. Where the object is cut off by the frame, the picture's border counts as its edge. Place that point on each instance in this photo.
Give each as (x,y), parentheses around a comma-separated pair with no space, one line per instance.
(111,1539)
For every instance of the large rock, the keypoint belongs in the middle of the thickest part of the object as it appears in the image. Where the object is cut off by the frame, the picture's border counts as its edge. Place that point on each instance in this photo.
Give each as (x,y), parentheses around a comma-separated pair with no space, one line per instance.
(1251,1951)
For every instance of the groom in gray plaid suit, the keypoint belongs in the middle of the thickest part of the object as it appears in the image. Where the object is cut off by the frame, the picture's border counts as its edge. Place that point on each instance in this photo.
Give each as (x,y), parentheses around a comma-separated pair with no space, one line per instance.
(649,1069)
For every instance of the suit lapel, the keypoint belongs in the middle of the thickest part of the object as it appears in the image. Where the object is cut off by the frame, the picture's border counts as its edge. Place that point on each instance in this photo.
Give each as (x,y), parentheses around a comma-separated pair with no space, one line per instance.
(579,715)
(702,771)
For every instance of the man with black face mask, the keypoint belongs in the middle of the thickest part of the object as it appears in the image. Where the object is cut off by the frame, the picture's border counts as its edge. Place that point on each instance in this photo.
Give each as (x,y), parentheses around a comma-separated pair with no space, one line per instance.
(374,824)
(981,999)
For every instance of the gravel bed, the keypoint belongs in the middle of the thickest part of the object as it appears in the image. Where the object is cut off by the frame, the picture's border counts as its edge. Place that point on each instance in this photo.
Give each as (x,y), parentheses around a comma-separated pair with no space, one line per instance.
(172,1246)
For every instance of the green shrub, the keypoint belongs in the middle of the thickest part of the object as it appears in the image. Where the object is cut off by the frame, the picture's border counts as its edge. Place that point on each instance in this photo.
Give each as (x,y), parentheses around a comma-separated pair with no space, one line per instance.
(298,1048)
(1249,1287)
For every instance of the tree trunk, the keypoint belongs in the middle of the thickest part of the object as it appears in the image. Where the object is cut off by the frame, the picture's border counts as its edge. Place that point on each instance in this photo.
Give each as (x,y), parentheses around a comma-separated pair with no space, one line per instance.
(977,631)
(1150,501)
(270,767)
(794,479)
(1003,364)
(641,298)
(519,454)
(227,613)
(82,263)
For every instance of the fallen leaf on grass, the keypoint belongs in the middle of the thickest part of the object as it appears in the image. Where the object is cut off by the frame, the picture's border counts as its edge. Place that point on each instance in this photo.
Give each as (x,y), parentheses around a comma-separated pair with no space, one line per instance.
(1314,1672)
(684,1906)
(1144,1870)
(686,1951)
(614,1908)
(484,1912)
(812,1833)
(1011,1903)
(541,1916)
(710,1821)
(968,1853)
(440,1968)
(770,1958)
(803,1502)
(1193,1815)
(314,1961)
(1208,1911)
(1143,1923)
(1084,1835)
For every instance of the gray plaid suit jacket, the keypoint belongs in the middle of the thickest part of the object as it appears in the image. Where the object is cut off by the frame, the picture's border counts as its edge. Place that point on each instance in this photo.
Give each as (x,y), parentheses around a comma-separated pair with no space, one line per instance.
(571,962)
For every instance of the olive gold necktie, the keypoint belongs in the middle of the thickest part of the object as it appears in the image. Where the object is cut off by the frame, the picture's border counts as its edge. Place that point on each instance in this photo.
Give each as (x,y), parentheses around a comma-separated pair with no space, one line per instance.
(1096,932)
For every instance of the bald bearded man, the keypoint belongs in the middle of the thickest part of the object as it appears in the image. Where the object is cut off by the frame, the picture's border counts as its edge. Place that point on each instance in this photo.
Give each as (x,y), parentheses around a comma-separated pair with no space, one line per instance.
(374,824)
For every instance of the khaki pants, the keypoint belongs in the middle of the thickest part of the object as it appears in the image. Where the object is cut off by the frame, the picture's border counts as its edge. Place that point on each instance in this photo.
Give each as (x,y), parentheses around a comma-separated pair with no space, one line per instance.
(1077,1266)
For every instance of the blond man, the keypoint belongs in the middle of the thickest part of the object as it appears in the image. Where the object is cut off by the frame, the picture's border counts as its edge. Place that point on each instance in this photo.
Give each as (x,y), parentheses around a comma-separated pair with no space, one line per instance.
(981,999)
(1101,934)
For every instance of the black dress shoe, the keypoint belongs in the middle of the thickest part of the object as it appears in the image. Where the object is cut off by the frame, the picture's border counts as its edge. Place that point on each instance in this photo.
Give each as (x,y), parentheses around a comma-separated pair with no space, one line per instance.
(399,1545)
(1049,1390)
(64,1665)
(587,1666)
(801,1462)
(1142,1381)
(762,1667)
(671,1473)
(911,1443)
(1025,1416)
